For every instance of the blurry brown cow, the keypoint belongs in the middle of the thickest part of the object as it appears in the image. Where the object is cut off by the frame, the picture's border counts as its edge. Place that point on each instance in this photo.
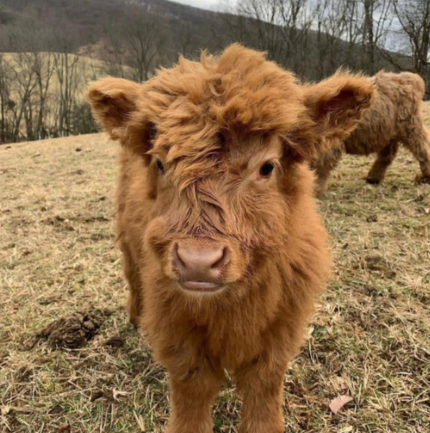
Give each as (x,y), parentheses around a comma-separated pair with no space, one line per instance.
(395,117)
(223,249)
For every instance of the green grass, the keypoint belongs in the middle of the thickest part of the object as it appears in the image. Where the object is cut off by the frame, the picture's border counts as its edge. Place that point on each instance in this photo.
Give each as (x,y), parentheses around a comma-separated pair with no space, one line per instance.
(370,338)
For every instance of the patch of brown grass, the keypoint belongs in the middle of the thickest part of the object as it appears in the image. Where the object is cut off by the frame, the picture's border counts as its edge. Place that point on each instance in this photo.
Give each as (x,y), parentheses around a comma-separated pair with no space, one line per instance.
(370,338)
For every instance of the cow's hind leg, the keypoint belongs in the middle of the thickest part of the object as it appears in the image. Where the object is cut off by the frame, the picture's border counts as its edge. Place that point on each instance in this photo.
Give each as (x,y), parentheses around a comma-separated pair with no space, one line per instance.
(418,142)
(323,167)
(383,160)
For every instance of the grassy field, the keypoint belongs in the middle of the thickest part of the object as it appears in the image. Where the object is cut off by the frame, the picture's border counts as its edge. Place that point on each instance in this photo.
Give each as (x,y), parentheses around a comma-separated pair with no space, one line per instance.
(370,338)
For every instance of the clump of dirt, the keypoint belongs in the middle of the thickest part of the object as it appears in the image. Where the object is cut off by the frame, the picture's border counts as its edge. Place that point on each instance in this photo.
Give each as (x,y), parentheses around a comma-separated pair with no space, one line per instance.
(379,265)
(59,223)
(372,219)
(115,342)
(74,331)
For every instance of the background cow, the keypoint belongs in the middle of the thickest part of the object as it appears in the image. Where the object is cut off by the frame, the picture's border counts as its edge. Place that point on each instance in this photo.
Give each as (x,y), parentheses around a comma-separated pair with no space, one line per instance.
(395,118)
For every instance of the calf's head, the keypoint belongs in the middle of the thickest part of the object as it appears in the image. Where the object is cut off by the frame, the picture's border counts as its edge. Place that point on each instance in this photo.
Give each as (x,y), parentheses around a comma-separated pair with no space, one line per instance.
(222,146)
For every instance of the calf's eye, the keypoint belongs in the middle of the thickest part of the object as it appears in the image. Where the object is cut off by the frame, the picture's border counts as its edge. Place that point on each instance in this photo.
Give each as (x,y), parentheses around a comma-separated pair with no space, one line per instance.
(152,130)
(266,169)
(160,166)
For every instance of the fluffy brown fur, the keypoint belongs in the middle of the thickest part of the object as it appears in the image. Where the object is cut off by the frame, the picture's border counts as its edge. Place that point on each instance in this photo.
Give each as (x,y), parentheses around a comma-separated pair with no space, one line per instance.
(395,117)
(213,124)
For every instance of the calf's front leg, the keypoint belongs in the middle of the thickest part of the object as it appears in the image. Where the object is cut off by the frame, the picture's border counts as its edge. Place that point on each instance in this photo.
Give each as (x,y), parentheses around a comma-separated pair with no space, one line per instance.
(261,387)
(135,296)
(191,398)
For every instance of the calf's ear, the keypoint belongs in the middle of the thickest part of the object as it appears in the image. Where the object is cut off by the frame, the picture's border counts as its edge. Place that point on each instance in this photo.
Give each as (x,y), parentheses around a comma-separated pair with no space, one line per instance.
(113,100)
(336,106)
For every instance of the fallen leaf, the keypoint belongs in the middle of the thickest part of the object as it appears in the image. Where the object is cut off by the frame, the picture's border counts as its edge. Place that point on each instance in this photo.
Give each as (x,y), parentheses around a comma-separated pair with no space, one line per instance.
(337,403)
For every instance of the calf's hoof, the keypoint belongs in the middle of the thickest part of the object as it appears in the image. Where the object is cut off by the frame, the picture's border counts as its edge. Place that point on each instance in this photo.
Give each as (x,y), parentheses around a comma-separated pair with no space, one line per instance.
(133,316)
(373,181)
(425,179)
(134,321)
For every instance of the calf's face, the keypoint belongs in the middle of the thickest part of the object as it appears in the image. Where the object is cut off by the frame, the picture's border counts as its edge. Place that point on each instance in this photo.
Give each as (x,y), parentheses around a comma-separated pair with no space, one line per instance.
(221,145)
(215,218)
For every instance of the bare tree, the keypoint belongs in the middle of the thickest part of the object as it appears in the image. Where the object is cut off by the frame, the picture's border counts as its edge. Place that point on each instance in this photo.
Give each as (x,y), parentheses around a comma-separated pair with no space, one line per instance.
(44,70)
(266,16)
(4,99)
(143,36)
(376,21)
(414,19)
(280,27)
(24,82)
(113,50)
(67,73)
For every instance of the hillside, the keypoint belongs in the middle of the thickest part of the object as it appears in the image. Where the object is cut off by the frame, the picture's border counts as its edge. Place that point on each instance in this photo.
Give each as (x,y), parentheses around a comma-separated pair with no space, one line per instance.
(132,38)
(369,339)
(89,13)
(187,30)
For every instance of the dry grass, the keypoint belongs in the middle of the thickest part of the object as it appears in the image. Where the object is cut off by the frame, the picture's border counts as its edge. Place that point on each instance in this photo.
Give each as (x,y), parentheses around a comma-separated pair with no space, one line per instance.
(370,339)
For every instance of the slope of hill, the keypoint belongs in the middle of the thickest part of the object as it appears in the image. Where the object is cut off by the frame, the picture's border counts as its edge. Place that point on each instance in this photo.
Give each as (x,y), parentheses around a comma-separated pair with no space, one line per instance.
(89,13)
(187,29)
(132,39)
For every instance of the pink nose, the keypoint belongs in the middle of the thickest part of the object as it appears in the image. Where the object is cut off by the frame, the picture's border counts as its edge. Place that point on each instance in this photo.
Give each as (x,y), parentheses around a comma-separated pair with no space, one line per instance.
(198,262)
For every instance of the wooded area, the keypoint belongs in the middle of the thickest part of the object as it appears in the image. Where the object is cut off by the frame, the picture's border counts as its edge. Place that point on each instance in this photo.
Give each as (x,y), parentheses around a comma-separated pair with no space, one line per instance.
(50,49)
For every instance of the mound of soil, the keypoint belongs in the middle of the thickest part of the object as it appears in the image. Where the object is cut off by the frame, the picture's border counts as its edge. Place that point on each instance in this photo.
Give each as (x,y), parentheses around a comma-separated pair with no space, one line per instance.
(74,331)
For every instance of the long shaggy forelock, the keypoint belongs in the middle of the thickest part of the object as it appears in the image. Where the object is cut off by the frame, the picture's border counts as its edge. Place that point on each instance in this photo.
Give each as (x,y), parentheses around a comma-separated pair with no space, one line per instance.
(195,104)
(202,109)
(206,208)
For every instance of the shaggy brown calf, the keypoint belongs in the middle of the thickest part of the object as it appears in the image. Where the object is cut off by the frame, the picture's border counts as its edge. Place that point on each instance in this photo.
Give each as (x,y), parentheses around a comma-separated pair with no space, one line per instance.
(395,117)
(223,249)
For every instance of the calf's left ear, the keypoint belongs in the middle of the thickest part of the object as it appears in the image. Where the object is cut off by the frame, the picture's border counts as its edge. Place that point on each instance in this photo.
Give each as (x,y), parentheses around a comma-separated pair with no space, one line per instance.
(337,105)
(113,100)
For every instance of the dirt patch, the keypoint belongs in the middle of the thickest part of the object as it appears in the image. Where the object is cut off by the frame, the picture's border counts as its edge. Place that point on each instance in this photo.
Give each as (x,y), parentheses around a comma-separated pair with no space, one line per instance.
(59,223)
(72,223)
(372,219)
(94,219)
(378,264)
(74,331)
(115,342)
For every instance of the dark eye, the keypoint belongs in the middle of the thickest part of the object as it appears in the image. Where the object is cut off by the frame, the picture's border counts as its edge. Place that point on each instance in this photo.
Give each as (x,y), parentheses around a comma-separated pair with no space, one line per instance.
(152,131)
(160,166)
(266,169)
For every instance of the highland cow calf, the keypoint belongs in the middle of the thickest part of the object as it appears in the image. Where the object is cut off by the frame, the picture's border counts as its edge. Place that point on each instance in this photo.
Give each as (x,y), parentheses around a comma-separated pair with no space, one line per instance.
(395,117)
(223,249)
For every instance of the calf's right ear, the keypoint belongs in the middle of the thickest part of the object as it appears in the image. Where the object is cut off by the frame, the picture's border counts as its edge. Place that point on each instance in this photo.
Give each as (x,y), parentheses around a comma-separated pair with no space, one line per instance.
(337,105)
(113,101)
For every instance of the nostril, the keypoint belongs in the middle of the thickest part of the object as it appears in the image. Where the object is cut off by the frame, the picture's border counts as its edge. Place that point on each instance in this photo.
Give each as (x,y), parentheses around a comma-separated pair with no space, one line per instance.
(177,260)
(224,260)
